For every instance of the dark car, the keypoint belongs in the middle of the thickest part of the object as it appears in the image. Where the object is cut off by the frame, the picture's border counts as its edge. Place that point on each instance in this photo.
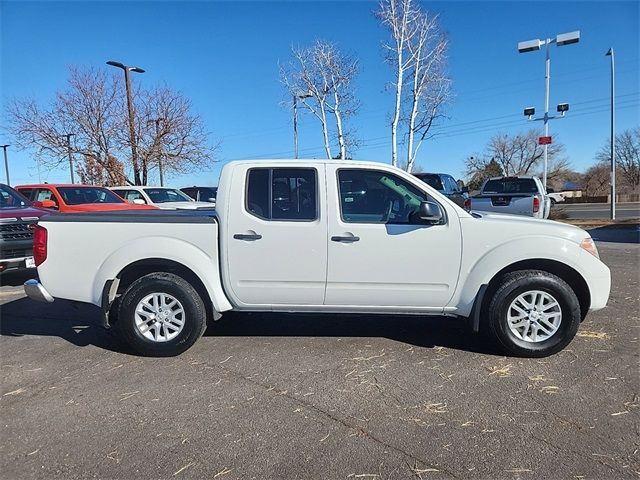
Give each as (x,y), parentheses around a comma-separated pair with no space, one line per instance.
(201,194)
(18,218)
(446,185)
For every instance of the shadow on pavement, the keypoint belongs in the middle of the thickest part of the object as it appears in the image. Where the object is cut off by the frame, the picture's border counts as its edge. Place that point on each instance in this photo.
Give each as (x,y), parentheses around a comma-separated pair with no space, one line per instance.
(76,323)
(616,233)
(79,325)
(421,331)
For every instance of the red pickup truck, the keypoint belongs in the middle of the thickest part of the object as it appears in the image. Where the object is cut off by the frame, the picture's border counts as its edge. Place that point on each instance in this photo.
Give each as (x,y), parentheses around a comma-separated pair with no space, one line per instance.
(76,198)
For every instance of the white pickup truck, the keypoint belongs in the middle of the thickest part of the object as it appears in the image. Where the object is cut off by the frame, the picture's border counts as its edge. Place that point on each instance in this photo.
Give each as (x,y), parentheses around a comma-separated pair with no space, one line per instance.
(514,196)
(322,236)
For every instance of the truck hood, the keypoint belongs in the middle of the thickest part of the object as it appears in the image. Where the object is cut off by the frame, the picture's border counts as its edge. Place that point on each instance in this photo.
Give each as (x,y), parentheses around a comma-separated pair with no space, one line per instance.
(518,225)
(185,205)
(105,207)
(24,212)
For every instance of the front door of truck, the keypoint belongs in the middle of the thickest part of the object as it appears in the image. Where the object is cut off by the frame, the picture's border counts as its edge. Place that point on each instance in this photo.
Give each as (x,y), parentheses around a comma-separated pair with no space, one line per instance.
(276,236)
(380,253)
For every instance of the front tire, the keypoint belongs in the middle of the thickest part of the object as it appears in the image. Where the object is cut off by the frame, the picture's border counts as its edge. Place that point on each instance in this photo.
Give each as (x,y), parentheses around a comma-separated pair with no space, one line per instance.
(533,313)
(161,315)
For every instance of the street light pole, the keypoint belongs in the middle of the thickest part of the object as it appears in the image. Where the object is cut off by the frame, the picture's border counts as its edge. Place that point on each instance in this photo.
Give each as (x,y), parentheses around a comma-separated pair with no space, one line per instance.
(69,135)
(6,162)
(613,133)
(297,96)
(132,133)
(533,45)
(547,84)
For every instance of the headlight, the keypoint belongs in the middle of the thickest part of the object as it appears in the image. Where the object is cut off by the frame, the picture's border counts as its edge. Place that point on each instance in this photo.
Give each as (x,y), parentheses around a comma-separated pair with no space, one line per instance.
(590,246)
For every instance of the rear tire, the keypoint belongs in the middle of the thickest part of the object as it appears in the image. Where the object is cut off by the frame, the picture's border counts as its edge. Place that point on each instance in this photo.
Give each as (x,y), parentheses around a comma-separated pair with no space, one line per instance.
(161,315)
(533,313)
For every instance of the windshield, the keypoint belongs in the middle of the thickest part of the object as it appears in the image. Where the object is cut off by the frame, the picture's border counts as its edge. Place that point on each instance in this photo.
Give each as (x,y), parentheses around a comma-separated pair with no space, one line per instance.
(431,180)
(163,195)
(9,198)
(81,195)
(511,185)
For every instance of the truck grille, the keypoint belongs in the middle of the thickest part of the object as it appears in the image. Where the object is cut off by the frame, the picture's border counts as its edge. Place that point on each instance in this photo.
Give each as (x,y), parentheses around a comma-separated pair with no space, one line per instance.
(16,231)
(14,253)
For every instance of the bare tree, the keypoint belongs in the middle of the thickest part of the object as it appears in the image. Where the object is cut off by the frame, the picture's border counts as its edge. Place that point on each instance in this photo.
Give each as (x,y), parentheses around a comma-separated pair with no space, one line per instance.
(417,52)
(169,131)
(596,180)
(627,156)
(518,154)
(430,84)
(321,78)
(88,108)
(93,108)
(400,17)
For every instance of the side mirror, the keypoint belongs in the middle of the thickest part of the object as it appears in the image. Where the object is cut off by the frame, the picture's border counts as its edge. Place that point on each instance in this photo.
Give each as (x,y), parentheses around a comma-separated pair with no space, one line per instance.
(465,189)
(212,200)
(430,212)
(138,201)
(45,204)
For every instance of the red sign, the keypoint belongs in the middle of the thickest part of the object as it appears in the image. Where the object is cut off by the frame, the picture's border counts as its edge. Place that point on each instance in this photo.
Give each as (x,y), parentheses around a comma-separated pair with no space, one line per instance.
(544,141)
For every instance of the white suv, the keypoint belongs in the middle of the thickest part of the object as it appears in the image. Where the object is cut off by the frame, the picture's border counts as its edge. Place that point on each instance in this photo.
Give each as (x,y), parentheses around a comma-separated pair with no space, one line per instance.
(161,197)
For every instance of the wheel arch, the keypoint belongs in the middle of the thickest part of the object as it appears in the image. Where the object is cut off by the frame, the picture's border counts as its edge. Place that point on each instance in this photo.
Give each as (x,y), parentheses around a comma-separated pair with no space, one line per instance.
(131,272)
(573,278)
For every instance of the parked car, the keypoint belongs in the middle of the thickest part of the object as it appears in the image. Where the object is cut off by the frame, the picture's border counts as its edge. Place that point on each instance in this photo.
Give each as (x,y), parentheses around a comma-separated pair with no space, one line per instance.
(286,237)
(18,218)
(201,194)
(519,195)
(554,197)
(446,185)
(160,197)
(76,198)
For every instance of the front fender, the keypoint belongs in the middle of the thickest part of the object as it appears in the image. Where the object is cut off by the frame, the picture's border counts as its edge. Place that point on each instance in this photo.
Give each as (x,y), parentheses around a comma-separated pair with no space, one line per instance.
(488,264)
(205,266)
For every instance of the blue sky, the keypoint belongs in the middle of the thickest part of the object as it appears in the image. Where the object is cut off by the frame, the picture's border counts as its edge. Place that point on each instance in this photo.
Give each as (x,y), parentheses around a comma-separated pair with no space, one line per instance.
(224,56)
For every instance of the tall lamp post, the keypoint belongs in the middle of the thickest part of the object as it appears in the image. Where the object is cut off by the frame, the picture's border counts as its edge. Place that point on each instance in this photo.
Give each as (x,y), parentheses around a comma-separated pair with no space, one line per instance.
(613,133)
(531,46)
(6,162)
(296,97)
(68,136)
(132,133)
(156,148)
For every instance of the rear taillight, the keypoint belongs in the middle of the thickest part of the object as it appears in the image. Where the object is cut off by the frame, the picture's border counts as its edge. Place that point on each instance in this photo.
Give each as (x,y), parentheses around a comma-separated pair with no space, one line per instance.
(536,204)
(39,245)
(467,204)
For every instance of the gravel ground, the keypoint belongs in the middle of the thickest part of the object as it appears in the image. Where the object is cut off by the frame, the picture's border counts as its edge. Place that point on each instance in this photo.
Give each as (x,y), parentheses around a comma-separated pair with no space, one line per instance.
(310,396)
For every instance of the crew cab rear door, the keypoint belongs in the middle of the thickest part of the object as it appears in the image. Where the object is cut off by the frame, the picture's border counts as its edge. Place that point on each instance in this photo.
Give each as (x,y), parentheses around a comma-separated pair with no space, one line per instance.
(380,254)
(276,236)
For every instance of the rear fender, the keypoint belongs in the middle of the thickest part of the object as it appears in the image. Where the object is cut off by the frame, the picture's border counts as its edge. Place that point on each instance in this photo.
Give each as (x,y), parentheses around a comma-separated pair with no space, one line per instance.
(204,266)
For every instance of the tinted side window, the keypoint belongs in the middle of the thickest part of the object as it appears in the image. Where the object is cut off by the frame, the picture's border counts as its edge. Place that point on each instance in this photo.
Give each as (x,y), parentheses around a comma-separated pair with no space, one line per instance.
(370,196)
(192,192)
(26,192)
(282,193)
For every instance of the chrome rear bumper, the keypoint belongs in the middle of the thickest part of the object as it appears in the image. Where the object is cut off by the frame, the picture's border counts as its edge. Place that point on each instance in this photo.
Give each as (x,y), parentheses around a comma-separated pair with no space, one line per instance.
(36,291)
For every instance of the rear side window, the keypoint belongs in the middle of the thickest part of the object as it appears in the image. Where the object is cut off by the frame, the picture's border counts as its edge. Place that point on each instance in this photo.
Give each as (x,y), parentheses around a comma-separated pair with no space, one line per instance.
(431,180)
(282,193)
(511,185)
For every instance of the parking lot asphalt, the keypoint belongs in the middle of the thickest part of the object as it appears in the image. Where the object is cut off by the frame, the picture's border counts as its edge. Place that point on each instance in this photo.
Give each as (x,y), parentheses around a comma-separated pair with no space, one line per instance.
(319,396)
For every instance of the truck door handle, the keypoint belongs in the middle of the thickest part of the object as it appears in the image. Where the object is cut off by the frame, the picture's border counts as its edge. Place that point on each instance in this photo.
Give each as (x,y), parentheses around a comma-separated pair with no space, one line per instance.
(350,239)
(247,236)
